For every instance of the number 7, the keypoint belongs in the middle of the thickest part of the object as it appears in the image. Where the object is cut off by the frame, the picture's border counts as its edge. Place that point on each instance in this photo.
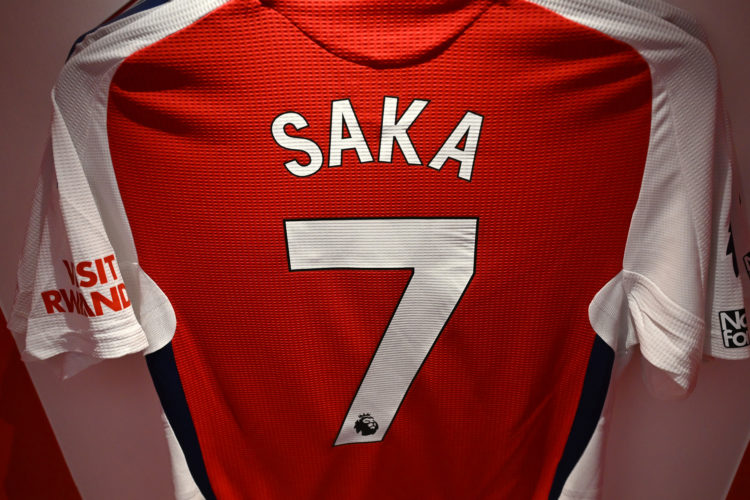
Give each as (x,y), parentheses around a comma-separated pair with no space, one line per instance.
(441,254)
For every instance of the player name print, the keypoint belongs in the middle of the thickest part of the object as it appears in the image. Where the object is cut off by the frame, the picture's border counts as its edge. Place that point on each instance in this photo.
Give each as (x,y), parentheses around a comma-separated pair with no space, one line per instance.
(394,129)
(96,287)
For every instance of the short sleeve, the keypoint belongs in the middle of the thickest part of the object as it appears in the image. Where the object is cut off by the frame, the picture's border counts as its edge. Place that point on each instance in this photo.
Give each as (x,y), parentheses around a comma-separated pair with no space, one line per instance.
(71,302)
(682,290)
(729,268)
(681,273)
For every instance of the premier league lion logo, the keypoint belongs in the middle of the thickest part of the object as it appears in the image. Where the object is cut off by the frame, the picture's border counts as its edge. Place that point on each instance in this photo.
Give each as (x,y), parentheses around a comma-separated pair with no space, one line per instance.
(366,425)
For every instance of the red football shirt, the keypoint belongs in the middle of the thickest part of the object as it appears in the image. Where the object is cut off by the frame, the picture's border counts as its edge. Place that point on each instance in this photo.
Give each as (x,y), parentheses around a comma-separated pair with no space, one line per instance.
(363,240)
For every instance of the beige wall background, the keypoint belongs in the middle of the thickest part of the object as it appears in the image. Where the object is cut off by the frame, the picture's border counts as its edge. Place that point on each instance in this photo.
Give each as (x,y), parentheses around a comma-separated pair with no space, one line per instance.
(107,419)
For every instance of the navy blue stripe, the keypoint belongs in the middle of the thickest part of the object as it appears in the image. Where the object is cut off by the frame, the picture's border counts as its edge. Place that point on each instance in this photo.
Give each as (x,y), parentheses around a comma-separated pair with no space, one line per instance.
(595,386)
(138,7)
(166,378)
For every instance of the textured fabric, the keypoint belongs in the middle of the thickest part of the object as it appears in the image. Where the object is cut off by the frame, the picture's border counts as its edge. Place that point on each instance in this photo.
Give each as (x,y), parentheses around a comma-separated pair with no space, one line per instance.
(480,406)
(377,235)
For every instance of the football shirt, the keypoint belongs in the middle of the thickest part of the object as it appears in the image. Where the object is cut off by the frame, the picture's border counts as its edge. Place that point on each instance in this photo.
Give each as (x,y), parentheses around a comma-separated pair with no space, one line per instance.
(386,250)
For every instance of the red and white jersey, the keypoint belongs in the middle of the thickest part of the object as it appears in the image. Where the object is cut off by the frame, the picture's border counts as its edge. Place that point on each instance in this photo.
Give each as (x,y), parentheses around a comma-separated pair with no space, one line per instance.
(386,250)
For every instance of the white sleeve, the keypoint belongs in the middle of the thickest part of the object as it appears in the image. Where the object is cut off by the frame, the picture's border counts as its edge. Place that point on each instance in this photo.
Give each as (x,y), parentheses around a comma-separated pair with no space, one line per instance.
(678,284)
(680,271)
(71,301)
(82,295)
(730,264)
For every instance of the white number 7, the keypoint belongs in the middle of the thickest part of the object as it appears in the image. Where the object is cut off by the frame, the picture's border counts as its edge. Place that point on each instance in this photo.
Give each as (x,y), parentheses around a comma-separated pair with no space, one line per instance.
(441,253)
